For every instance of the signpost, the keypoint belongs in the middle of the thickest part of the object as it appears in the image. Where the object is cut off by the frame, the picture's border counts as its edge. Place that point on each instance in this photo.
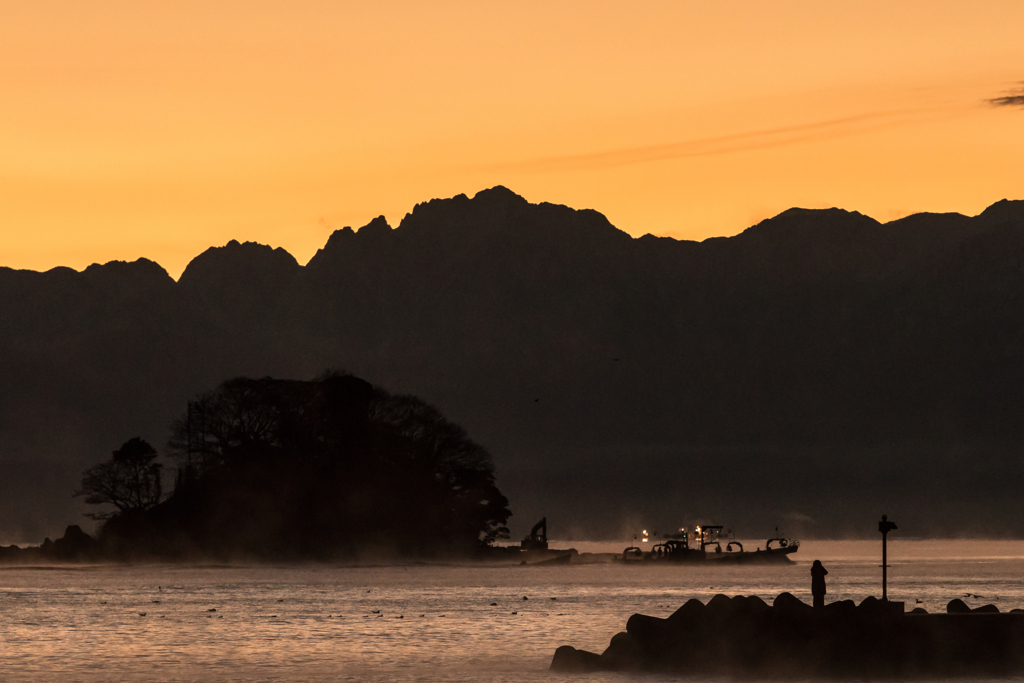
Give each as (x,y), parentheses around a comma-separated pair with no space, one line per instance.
(885,526)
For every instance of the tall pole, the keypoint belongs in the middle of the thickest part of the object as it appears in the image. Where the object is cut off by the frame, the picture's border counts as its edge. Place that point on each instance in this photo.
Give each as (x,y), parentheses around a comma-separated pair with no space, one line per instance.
(885,564)
(188,438)
(885,526)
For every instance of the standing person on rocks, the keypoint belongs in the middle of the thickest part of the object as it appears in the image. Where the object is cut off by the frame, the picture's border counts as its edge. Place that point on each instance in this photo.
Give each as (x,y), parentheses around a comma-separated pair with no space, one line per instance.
(818,574)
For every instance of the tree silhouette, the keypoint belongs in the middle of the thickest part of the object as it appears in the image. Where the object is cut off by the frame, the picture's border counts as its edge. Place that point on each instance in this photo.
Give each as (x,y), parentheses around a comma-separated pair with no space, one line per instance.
(325,468)
(442,451)
(130,480)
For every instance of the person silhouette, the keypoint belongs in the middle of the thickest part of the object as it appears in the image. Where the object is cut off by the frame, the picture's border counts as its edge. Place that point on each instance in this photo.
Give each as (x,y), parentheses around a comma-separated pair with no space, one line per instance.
(818,574)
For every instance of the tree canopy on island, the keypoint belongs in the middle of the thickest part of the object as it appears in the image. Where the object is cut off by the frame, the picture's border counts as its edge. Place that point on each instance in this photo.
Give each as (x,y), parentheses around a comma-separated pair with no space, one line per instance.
(327,468)
(130,480)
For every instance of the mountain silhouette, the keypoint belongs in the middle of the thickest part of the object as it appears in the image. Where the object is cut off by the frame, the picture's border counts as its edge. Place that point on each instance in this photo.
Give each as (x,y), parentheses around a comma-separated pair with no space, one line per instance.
(814,367)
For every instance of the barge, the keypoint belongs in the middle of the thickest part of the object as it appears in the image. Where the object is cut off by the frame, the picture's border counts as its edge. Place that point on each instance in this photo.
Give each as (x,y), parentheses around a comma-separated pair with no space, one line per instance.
(704,544)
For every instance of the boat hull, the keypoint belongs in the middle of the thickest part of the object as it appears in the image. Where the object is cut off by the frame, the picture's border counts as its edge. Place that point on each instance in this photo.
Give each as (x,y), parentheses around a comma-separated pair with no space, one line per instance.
(756,557)
(694,555)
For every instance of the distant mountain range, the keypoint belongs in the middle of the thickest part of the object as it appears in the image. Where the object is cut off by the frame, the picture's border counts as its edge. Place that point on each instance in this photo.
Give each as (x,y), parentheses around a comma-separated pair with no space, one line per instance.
(814,371)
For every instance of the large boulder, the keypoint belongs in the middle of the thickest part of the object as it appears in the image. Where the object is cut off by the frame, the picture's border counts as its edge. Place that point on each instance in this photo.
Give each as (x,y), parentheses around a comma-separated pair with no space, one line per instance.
(692,610)
(787,603)
(75,544)
(650,631)
(624,652)
(748,606)
(843,608)
(570,660)
(957,606)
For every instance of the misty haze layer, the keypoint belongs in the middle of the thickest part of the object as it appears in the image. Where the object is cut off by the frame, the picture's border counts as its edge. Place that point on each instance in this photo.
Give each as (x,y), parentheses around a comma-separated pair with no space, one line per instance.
(814,371)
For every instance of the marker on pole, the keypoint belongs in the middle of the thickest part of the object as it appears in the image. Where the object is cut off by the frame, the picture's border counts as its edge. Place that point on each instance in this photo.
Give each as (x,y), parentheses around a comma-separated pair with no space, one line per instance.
(885,526)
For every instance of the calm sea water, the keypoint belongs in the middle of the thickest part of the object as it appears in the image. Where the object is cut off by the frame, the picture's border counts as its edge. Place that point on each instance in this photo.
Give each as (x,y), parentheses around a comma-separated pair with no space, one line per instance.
(419,622)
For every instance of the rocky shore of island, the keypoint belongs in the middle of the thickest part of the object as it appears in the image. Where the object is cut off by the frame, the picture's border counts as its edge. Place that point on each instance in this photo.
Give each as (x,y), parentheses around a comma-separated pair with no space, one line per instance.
(74,546)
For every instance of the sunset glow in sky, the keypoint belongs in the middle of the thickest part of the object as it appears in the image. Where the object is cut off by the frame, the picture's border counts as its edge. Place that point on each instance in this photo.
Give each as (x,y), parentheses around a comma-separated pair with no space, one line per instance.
(159,129)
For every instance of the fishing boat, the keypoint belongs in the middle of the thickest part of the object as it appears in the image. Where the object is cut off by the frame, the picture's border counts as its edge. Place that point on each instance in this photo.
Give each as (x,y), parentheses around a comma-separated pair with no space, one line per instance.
(704,544)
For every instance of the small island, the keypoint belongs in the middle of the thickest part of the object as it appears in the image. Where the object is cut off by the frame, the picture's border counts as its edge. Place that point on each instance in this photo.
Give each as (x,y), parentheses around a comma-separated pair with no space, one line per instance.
(329,469)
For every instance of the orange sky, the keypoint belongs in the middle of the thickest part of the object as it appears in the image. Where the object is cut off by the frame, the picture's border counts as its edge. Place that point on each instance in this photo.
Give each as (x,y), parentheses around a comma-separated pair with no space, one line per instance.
(158,129)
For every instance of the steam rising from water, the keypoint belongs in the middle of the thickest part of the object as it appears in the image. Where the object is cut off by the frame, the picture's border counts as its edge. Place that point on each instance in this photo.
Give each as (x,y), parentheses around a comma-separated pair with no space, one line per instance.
(321,622)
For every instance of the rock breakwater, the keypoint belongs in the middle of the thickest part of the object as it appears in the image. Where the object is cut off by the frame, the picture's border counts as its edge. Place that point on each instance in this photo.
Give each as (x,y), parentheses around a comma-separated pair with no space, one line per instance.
(745,636)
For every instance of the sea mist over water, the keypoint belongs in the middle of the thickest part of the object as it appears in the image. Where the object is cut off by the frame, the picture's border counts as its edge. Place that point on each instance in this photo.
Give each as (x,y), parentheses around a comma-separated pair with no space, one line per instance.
(329,623)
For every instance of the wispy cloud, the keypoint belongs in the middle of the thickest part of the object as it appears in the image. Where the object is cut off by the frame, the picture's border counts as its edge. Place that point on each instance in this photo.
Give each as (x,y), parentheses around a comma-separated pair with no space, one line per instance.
(817,131)
(1014,99)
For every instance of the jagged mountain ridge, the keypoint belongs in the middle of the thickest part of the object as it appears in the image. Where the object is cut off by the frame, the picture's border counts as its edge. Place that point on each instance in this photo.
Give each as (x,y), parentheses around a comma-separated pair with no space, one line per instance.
(584,358)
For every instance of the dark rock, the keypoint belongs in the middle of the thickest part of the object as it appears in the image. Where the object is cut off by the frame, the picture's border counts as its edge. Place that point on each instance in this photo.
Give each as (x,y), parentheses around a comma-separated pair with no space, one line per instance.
(693,609)
(75,545)
(720,605)
(788,603)
(624,652)
(919,610)
(957,606)
(748,605)
(841,607)
(869,603)
(873,606)
(10,553)
(986,609)
(648,630)
(569,659)
(756,603)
